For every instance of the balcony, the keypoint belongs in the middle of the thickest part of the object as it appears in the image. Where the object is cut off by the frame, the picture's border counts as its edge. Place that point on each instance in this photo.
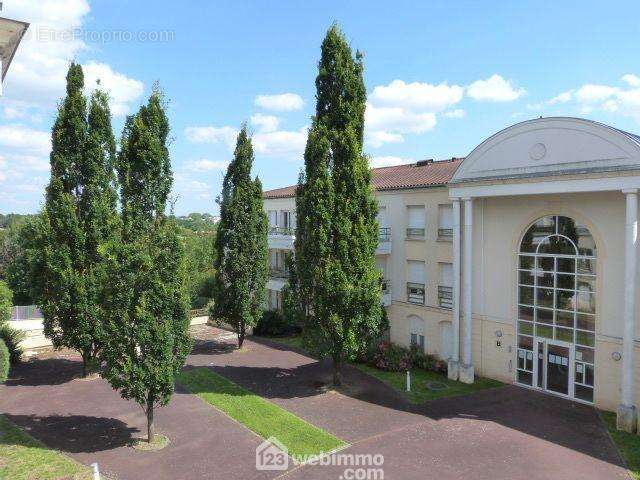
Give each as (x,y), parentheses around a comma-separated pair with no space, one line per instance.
(386,293)
(445,234)
(445,297)
(415,233)
(281,238)
(384,241)
(278,278)
(415,293)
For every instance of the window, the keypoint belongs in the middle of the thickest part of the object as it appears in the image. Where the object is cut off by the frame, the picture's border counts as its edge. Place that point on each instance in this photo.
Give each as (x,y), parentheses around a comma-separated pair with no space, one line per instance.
(417,332)
(416,282)
(445,287)
(417,222)
(445,222)
(273,219)
(381,263)
(556,297)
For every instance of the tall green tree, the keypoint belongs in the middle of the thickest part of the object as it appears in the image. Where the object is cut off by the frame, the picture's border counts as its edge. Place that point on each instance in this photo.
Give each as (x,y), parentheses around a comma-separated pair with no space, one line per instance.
(148,325)
(79,216)
(336,280)
(242,251)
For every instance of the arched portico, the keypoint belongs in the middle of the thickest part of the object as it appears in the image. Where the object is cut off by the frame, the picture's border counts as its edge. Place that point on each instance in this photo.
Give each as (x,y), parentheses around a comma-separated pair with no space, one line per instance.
(554,158)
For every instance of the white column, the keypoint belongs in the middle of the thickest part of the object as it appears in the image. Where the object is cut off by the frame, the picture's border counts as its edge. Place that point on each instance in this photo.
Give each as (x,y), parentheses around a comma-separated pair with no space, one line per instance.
(466,369)
(627,413)
(454,363)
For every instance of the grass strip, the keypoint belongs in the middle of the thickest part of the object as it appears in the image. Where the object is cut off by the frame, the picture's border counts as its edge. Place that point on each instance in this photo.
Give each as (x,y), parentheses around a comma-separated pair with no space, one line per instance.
(420,393)
(259,415)
(627,443)
(22,457)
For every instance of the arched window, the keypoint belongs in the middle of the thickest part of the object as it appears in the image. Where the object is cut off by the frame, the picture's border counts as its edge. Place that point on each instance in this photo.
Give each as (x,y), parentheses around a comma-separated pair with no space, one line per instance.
(556,302)
(417,336)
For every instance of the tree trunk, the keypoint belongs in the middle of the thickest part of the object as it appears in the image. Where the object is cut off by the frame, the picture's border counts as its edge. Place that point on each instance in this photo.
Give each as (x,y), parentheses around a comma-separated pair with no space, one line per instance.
(337,373)
(150,427)
(241,333)
(85,364)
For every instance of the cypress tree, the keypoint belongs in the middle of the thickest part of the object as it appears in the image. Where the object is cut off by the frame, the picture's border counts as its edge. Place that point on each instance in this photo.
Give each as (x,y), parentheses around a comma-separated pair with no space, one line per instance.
(241,245)
(148,326)
(337,281)
(79,216)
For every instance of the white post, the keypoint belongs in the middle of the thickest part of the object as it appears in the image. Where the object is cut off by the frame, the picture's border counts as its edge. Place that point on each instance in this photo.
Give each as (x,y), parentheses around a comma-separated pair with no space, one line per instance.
(627,413)
(453,368)
(96,471)
(408,381)
(466,369)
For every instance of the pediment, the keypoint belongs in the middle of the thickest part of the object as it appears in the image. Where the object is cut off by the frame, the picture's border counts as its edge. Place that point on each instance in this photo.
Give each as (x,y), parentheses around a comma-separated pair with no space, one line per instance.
(550,146)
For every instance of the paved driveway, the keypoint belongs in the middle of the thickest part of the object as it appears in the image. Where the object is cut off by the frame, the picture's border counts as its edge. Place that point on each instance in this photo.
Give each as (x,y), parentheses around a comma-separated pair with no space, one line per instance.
(508,433)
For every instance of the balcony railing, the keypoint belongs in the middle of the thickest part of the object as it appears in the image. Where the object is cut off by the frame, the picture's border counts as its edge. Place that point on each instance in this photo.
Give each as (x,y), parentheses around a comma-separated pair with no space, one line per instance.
(281,231)
(385,234)
(445,296)
(276,272)
(386,287)
(415,233)
(415,293)
(445,234)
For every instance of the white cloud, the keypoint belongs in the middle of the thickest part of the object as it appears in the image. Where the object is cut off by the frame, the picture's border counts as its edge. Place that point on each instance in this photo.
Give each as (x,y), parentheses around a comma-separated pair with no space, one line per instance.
(631,79)
(53,40)
(378,138)
(284,143)
(266,123)
(399,120)
(122,90)
(205,165)
(494,89)
(416,95)
(457,113)
(24,139)
(591,93)
(376,162)
(210,134)
(281,103)
(38,70)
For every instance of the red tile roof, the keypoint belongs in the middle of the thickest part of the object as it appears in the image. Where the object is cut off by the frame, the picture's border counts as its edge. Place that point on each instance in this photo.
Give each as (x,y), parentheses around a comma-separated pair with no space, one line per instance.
(426,173)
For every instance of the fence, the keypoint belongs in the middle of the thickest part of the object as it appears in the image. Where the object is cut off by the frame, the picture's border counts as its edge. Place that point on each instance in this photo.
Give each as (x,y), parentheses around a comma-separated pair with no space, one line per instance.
(26,312)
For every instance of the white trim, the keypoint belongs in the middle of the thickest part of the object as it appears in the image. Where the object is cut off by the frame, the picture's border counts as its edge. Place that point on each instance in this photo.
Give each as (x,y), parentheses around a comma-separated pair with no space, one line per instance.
(548,187)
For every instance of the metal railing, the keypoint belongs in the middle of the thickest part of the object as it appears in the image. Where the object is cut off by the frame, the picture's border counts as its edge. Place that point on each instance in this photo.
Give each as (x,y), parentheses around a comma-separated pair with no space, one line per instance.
(281,231)
(384,234)
(386,287)
(275,272)
(415,232)
(26,312)
(415,293)
(445,234)
(445,296)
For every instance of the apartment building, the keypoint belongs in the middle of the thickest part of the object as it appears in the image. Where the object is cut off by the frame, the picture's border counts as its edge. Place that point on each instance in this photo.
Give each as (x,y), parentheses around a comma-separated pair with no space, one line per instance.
(518,262)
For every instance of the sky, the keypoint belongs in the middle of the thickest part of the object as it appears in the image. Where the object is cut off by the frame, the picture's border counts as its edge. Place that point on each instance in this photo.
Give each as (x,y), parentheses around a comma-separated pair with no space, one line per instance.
(441,77)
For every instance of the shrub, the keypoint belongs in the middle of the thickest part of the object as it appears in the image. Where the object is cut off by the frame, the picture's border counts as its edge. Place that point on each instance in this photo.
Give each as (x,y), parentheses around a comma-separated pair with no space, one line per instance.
(274,324)
(392,358)
(12,338)
(4,362)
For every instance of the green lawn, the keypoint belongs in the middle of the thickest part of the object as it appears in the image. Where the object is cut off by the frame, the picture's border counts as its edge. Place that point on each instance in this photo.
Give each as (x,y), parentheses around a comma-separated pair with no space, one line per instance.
(295,341)
(22,457)
(419,392)
(628,443)
(259,415)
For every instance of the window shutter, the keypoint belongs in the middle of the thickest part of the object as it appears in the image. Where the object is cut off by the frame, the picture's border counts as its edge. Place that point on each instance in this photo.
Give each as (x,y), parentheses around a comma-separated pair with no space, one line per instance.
(417,272)
(446,216)
(416,216)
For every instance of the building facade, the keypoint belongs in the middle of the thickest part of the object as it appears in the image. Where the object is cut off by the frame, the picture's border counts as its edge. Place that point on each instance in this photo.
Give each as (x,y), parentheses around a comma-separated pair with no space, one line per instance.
(517,263)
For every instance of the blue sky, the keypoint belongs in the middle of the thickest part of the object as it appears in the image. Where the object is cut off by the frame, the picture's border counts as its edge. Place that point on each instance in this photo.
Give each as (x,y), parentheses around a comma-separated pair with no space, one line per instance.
(441,77)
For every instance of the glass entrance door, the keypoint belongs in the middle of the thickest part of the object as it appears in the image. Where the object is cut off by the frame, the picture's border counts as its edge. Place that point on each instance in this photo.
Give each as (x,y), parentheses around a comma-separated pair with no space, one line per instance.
(558,363)
(553,366)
